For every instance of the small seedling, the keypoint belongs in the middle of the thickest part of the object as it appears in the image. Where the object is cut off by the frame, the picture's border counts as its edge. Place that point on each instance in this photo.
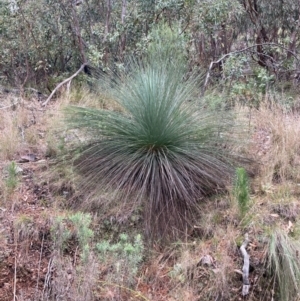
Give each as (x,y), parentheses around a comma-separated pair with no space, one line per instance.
(12,176)
(241,190)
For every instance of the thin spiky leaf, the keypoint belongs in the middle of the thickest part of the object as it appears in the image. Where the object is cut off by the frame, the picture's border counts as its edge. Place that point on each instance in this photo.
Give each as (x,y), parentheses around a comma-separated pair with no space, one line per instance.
(161,149)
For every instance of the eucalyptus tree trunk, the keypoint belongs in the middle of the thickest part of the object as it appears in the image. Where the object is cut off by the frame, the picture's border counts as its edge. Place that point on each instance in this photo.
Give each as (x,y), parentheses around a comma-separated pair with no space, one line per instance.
(123,35)
(107,31)
(295,35)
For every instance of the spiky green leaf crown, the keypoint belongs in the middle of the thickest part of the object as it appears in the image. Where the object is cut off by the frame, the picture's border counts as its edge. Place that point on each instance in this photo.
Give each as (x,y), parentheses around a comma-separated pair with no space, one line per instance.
(163,148)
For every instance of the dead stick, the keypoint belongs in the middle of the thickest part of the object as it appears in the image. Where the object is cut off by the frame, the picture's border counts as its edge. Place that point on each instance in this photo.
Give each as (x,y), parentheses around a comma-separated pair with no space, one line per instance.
(62,83)
(6,107)
(39,268)
(246,284)
(15,272)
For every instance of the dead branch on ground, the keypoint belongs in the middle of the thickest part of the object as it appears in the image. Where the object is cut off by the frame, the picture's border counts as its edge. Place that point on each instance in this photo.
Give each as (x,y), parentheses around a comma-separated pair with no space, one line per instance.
(246,284)
(66,81)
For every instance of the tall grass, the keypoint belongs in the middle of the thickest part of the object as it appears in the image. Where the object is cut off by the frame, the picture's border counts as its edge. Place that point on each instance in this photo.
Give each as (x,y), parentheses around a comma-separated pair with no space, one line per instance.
(162,149)
(284,264)
(278,143)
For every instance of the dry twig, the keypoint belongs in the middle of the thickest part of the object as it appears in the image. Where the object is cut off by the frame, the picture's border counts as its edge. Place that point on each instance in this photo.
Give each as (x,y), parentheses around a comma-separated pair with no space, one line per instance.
(15,272)
(39,268)
(246,284)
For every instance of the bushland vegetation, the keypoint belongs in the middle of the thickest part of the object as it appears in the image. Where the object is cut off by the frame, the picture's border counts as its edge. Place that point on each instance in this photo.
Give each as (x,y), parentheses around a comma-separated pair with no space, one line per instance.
(149,150)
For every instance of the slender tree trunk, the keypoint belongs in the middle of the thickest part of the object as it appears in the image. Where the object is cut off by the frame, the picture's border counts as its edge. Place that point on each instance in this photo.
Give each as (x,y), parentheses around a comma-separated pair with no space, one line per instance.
(224,44)
(123,36)
(107,30)
(294,36)
(77,30)
(107,20)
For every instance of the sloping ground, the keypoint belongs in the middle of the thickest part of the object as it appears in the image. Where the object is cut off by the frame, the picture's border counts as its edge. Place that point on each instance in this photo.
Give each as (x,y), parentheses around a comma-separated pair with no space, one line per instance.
(48,252)
(25,248)
(25,253)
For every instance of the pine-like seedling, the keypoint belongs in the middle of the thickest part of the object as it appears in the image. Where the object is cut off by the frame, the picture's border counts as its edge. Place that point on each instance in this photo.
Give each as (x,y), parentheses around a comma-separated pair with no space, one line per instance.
(241,190)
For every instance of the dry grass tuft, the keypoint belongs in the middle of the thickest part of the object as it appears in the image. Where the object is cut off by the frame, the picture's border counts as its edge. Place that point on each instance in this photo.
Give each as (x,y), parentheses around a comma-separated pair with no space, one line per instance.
(61,177)
(72,283)
(206,266)
(10,138)
(205,270)
(284,264)
(277,143)
(86,97)
(20,126)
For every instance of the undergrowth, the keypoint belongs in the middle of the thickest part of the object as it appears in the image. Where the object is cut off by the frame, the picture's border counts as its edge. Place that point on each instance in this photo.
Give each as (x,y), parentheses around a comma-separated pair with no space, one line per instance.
(241,190)
(87,258)
(163,151)
(283,262)
(124,257)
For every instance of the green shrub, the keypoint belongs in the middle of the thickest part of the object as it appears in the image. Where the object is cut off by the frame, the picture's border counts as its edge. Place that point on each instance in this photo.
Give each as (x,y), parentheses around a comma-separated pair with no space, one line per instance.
(160,148)
(12,176)
(124,256)
(82,222)
(60,234)
(241,190)
(74,226)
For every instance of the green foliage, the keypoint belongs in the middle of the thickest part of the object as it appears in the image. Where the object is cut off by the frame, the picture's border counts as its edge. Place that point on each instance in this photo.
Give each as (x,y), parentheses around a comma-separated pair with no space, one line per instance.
(82,222)
(245,84)
(284,263)
(60,234)
(169,44)
(241,190)
(77,226)
(12,180)
(161,148)
(234,66)
(214,14)
(124,256)
(262,80)
(36,41)
(43,41)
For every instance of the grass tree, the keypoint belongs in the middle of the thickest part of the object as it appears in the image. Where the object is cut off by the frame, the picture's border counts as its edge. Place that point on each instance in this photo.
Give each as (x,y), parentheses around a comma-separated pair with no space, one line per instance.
(161,149)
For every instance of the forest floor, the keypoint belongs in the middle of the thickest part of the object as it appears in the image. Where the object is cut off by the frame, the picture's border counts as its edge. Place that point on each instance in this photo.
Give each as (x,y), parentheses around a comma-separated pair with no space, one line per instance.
(37,263)
(25,249)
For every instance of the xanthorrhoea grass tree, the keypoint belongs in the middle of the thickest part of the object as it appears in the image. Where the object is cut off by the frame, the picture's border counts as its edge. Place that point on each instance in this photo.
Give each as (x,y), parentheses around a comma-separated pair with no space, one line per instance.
(162,149)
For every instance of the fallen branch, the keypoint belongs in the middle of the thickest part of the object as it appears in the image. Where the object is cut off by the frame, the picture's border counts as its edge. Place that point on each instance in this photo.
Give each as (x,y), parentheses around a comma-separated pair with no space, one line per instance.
(39,269)
(9,106)
(47,281)
(68,80)
(15,273)
(246,284)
